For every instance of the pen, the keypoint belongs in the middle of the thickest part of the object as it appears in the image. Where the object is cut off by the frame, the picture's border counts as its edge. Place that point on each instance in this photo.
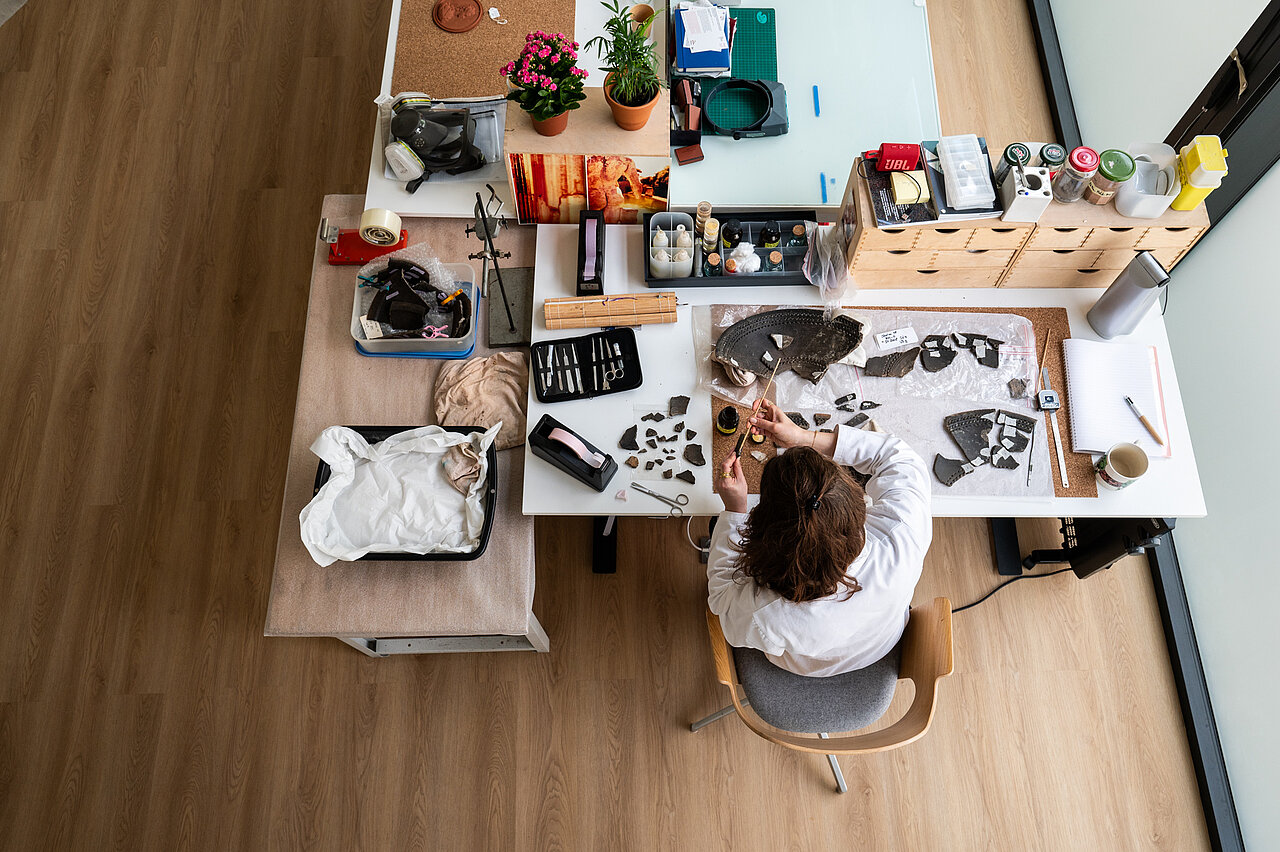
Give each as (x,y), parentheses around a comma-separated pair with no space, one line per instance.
(1145,422)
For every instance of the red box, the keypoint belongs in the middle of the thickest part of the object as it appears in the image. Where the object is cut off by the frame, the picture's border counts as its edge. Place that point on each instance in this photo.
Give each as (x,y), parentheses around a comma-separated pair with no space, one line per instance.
(898,157)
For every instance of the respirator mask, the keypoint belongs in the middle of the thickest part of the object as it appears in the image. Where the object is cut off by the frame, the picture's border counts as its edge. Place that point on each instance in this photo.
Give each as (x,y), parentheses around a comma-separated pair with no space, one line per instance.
(426,140)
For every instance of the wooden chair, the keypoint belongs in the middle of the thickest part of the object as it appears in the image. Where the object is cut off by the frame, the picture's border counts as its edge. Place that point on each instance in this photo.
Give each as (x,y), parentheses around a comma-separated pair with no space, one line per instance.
(925,658)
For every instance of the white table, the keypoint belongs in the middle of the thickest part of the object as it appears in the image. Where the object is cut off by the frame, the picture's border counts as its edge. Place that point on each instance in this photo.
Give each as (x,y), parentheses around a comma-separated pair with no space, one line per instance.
(1170,489)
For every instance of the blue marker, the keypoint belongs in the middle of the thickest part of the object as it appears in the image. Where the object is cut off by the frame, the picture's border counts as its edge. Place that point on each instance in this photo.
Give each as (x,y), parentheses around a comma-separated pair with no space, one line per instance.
(817,111)
(823,178)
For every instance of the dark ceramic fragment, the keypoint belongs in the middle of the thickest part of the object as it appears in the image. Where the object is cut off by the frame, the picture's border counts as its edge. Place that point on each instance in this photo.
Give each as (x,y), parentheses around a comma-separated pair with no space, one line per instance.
(857,420)
(677,406)
(1002,459)
(666,474)
(689,434)
(867,405)
(1017,389)
(648,465)
(798,419)
(894,365)
(628,440)
(693,454)
(653,445)
(847,398)
(680,426)
(654,417)
(971,431)
(949,471)
(650,433)
(686,475)
(633,462)
(817,342)
(819,419)
(936,353)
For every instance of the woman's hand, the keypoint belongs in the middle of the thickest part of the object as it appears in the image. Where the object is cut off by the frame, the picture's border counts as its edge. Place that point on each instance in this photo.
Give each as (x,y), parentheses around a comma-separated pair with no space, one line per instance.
(773,423)
(731,485)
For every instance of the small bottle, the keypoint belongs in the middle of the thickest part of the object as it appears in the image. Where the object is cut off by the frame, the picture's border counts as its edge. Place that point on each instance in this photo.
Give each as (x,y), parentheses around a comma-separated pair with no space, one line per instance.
(711,265)
(730,266)
(730,234)
(1052,156)
(710,235)
(773,263)
(660,239)
(1114,168)
(770,236)
(1069,184)
(683,238)
(727,420)
(796,239)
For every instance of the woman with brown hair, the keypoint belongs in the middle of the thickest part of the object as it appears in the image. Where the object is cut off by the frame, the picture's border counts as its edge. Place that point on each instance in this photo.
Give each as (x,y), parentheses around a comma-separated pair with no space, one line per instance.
(813,576)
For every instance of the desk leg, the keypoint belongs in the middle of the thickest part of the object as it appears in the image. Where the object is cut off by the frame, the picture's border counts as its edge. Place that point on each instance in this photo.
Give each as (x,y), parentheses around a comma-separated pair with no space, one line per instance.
(1004,544)
(604,545)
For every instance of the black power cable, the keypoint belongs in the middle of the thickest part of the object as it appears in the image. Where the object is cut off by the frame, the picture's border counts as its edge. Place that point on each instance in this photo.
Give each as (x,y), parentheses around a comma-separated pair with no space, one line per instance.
(1006,583)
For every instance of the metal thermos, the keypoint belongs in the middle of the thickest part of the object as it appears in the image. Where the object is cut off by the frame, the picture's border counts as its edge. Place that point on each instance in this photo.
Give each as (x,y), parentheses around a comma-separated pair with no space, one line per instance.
(1129,297)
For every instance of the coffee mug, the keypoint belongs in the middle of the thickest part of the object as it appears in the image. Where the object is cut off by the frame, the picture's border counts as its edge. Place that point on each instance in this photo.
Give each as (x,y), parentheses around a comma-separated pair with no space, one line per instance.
(1121,465)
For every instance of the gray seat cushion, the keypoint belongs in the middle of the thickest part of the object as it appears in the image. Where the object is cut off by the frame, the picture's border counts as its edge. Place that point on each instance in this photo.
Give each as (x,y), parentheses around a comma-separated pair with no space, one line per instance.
(812,705)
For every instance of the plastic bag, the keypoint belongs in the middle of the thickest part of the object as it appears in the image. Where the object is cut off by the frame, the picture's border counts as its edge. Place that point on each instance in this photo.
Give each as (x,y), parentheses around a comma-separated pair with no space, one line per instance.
(825,265)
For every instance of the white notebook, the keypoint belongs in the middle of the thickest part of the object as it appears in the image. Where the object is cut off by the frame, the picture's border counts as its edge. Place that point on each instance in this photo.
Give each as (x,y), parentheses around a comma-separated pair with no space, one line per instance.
(1099,377)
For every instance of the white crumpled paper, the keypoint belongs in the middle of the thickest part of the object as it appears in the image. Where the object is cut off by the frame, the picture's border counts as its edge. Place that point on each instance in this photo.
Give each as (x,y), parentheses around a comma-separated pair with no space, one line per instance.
(393,496)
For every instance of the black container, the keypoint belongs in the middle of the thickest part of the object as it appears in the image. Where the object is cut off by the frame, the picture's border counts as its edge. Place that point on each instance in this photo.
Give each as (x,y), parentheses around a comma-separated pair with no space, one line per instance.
(731,233)
(591,367)
(769,236)
(376,434)
(557,454)
(792,271)
(591,224)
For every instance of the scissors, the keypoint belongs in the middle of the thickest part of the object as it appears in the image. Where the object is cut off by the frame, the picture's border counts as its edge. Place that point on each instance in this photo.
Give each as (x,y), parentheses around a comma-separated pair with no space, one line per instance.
(609,368)
(676,504)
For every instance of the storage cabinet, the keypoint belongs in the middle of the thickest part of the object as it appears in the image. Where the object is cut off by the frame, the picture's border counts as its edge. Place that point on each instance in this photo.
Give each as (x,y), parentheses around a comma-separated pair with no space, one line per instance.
(1073,245)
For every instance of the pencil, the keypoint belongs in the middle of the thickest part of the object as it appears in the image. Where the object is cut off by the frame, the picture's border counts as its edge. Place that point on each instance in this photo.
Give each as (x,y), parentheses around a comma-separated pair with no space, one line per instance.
(1145,421)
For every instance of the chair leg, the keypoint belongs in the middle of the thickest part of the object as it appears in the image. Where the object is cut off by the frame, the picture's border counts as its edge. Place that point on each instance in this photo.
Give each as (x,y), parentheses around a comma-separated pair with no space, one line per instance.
(714,717)
(841,787)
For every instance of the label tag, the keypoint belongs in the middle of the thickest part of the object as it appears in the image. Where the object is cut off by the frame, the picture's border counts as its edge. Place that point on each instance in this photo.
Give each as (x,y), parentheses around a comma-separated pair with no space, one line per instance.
(372,330)
(897,337)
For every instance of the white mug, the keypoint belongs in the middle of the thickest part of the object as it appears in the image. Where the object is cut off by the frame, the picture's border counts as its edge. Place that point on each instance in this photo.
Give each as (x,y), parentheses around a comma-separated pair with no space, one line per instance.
(1121,465)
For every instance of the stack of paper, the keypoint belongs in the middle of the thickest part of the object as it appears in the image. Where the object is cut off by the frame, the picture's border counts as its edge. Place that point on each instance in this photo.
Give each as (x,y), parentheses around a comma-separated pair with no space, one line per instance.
(702,40)
(1099,377)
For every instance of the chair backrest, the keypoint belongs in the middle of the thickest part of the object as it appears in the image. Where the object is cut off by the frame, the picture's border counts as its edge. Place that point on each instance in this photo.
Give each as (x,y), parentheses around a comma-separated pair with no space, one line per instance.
(926,659)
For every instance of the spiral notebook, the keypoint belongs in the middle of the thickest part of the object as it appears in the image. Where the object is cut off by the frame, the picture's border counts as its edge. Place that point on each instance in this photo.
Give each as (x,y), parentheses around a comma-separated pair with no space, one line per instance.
(1099,377)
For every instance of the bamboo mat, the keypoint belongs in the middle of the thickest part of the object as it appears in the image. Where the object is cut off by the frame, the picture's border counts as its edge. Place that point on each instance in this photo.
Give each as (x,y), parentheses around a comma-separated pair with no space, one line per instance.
(1043,320)
(466,65)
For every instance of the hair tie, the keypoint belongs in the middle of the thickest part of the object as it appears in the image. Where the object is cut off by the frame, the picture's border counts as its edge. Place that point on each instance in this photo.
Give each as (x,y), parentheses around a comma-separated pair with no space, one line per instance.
(814,504)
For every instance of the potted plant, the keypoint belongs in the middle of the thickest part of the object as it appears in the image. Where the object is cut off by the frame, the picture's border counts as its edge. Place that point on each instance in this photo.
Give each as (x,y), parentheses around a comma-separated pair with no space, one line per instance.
(546,81)
(633,82)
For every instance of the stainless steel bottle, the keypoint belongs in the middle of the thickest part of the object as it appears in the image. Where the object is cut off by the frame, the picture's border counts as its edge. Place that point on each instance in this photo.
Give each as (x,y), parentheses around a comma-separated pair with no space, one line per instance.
(1130,296)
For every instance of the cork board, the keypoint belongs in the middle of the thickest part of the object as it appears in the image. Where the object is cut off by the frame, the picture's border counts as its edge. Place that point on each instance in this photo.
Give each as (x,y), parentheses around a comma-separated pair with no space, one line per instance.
(722,445)
(1043,321)
(466,65)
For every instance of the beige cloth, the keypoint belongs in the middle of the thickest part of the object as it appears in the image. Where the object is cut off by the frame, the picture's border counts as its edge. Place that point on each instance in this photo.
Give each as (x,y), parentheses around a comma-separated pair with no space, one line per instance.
(482,391)
(461,466)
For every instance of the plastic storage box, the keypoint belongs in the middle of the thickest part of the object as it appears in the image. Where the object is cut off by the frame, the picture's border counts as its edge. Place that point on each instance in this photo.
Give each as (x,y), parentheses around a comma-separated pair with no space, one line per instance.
(1154,185)
(442,347)
(374,434)
(793,250)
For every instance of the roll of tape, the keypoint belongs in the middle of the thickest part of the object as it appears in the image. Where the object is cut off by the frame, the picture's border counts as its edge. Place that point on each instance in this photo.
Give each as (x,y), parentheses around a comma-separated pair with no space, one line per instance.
(380,227)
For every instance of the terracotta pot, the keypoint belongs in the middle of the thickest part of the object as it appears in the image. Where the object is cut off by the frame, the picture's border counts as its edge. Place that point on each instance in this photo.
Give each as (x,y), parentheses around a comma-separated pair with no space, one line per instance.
(552,126)
(628,117)
(640,13)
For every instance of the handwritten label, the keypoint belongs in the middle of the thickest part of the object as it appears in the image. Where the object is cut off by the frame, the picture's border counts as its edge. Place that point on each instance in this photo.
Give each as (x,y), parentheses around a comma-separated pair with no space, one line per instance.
(372,330)
(897,337)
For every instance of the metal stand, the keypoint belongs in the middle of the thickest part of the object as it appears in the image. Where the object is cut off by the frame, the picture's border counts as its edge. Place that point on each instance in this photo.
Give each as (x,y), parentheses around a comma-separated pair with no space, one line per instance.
(487,226)
(1091,544)
(604,545)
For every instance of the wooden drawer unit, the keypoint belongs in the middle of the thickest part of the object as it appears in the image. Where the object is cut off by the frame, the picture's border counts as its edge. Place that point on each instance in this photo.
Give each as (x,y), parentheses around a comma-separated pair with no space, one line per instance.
(1029,276)
(898,279)
(1073,245)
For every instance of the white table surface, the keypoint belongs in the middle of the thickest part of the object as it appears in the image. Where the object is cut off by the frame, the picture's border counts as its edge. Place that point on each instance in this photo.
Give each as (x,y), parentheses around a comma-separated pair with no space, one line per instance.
(1170,489)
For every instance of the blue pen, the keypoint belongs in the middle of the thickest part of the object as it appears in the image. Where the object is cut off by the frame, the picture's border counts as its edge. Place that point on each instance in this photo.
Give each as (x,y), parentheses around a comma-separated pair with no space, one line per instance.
(823,177)
(817,111)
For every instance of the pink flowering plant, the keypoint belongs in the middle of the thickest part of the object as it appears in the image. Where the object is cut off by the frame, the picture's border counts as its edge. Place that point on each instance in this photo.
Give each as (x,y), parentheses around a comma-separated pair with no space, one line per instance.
(546,76)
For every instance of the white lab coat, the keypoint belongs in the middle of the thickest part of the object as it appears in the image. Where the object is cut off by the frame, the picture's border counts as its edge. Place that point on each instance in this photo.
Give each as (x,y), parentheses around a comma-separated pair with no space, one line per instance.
(841,632)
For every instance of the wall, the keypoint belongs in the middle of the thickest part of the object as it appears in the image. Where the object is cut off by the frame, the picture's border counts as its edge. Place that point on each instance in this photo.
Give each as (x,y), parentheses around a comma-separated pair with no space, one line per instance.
(1222,318)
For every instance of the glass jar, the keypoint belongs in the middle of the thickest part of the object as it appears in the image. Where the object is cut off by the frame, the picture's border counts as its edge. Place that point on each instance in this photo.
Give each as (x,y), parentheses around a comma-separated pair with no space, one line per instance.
(770,236)
(1016,154)
(711,265)
(1114,168)
(773,263)
(1070,182)
(1052,156)
(797,238)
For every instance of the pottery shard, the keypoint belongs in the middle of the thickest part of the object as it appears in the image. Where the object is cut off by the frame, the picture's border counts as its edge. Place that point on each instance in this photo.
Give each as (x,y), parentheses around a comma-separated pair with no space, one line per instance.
(654,417)
(689,434)
(1017,388)
(648,465)
(667,474)
(686,475)
(633,461)
(693,455)
(649,433)
(819,419)
(857,420)
(895,365)
(680,427)
(628,440)
(867,405)
(653,445)
(948,471)
(847,398)
(677,406)
(798,419)
(782,341)
(936,353)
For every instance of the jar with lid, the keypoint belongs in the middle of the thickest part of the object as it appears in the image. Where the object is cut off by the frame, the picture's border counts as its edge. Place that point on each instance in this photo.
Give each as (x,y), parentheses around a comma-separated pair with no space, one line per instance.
(770,235)
(1015,155)
(796,239)
(773,263)
(730,234)
(1114,168)
(1070,182)
(711,265)
(1052,156)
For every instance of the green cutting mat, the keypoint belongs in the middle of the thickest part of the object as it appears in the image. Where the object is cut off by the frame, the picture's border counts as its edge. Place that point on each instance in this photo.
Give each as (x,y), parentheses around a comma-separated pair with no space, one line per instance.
(736,108)
(755,44)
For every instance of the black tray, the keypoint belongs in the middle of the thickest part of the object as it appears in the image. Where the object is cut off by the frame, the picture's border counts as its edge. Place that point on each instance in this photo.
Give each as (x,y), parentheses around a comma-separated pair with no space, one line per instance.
(592,380)
(792,256)
(376,434)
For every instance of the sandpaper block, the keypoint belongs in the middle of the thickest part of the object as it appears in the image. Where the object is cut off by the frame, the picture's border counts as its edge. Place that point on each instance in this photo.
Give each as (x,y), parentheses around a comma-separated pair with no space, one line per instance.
(693,120)
(908,191)
(689,154)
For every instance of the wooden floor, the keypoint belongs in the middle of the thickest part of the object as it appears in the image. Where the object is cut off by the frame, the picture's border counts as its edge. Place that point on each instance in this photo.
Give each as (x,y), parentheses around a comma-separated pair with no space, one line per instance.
(163,168)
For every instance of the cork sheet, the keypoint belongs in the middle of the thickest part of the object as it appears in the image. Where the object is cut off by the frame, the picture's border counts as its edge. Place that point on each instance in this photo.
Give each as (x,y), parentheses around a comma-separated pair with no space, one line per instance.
(466,65)
(1043,321)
